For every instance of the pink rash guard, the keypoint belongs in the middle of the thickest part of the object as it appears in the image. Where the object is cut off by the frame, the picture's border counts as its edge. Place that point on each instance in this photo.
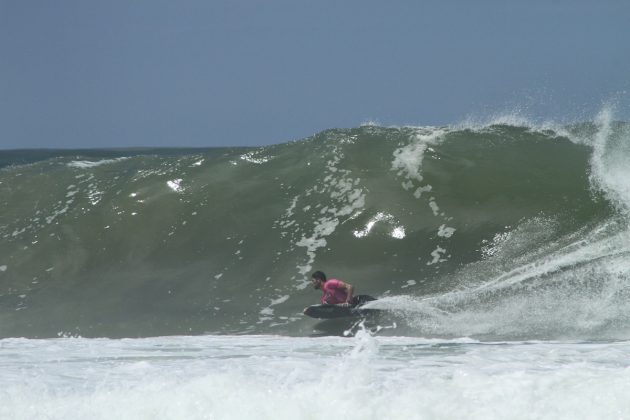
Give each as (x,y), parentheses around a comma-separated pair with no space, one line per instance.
(334,293)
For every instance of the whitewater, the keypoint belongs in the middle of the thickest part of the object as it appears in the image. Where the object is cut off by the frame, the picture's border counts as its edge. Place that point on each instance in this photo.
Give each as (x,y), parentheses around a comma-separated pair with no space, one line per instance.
(170,283)
(273,377)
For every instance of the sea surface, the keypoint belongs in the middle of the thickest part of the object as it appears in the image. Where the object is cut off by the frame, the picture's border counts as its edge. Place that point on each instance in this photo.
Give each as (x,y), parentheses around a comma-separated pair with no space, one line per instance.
(170,283)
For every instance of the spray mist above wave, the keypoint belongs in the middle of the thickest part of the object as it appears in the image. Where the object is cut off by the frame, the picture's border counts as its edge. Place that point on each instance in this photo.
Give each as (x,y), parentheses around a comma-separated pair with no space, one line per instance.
(610,171)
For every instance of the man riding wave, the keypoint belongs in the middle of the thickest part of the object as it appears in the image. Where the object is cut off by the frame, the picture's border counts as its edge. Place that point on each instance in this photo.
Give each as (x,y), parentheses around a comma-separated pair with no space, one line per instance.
(335,291)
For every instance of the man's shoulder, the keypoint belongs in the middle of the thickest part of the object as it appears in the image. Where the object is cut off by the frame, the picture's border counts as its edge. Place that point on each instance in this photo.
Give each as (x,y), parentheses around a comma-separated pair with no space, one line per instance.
(333,282)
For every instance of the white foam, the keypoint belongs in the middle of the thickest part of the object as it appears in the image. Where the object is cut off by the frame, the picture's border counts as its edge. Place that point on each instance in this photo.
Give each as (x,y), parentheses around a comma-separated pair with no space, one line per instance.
(258,377)
(434,207)
(3,268)
(268,311)
(491,248)
(346,199)
(323,227)
(418,192)
(408,162)
(445,232)
(175,185)
(378,217)
(408,284)
(437,254)
(256,157)
(57,213)
(408,159)
(398,232)
(94,194)
(289,211)
(86,164)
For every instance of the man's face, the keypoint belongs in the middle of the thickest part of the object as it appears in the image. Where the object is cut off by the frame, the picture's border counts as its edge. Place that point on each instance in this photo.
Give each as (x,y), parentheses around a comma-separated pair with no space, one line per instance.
(317,283)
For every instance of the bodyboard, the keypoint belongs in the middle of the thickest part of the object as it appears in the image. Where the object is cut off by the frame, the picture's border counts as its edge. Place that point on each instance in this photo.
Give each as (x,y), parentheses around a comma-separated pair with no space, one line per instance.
(323,311)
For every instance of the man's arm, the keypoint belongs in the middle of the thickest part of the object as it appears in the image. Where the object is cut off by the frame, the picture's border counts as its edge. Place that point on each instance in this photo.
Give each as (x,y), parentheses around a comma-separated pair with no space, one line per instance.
(349,291)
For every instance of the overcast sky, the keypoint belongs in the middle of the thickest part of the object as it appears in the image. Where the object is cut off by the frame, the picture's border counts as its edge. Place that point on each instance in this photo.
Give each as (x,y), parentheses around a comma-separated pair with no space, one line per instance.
(227,72)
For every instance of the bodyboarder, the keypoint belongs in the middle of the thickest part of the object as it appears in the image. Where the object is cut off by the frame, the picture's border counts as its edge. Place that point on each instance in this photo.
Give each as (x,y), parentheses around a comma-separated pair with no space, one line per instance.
(338,299)
(335,291)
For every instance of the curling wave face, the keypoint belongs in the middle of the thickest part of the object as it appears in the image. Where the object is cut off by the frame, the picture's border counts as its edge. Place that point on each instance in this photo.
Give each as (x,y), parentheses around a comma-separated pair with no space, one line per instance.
(494,231)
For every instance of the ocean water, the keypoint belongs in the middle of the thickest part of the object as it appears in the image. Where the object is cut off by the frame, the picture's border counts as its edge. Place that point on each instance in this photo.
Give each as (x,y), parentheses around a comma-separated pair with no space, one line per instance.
(278,377)
(170,283)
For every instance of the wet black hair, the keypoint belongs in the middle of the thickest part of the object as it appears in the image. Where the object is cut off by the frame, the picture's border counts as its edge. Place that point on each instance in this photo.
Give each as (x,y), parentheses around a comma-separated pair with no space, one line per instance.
(319,275)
